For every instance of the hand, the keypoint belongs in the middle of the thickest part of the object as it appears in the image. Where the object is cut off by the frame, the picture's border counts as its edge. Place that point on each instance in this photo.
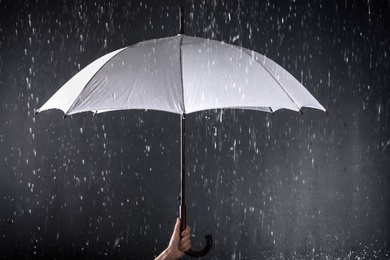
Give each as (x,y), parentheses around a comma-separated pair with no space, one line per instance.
(182,243)
(177,245)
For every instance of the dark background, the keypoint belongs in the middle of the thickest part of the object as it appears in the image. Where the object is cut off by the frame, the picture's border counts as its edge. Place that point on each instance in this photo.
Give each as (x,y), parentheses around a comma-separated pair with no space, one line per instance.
(282,186)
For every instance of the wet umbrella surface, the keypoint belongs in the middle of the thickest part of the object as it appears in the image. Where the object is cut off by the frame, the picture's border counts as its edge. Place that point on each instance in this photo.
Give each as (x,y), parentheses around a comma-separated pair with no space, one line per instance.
(277,186)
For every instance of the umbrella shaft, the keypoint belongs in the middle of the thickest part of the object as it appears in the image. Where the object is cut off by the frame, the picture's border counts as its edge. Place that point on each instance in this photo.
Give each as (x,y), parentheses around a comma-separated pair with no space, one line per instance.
(183,161)
(182,207)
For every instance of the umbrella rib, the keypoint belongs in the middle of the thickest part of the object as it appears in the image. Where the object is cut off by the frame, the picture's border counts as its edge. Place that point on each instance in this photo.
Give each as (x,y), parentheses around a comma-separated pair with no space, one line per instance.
(277,81)
(74,102)
(181,72)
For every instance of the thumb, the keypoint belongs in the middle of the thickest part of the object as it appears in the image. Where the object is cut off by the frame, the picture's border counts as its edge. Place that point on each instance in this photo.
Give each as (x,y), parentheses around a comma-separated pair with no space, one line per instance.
(176,234)
(177,226)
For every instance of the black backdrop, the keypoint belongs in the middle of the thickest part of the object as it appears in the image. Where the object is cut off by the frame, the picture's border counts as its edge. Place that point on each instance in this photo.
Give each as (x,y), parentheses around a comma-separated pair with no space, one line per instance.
(282,186)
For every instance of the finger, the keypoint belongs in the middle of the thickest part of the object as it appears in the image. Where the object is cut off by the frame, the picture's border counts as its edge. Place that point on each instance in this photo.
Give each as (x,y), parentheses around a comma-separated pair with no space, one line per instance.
(185,243)
(185,247)
(184,240)
(183,250)
(186,231)
(181,253)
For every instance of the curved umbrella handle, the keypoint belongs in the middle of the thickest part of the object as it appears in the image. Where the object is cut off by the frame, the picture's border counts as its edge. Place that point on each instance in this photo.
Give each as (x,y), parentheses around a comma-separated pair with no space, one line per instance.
(204,251)
(183,225)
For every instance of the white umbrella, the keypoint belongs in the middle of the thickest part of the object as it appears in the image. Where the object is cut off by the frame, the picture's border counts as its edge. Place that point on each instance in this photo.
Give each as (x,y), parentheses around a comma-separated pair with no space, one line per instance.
(182,75)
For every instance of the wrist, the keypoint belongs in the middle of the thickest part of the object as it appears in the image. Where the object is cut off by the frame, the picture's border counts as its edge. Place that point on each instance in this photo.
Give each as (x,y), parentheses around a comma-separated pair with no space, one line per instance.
(165,255)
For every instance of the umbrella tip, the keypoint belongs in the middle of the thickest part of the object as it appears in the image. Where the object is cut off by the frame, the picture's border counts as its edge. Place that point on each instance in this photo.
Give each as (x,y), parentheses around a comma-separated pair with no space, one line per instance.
(36,112)
(300,111)
(181,20)
(65,116)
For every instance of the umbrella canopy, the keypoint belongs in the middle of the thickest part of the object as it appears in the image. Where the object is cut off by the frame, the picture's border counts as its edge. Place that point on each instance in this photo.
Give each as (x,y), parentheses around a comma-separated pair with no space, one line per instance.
(181,74)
